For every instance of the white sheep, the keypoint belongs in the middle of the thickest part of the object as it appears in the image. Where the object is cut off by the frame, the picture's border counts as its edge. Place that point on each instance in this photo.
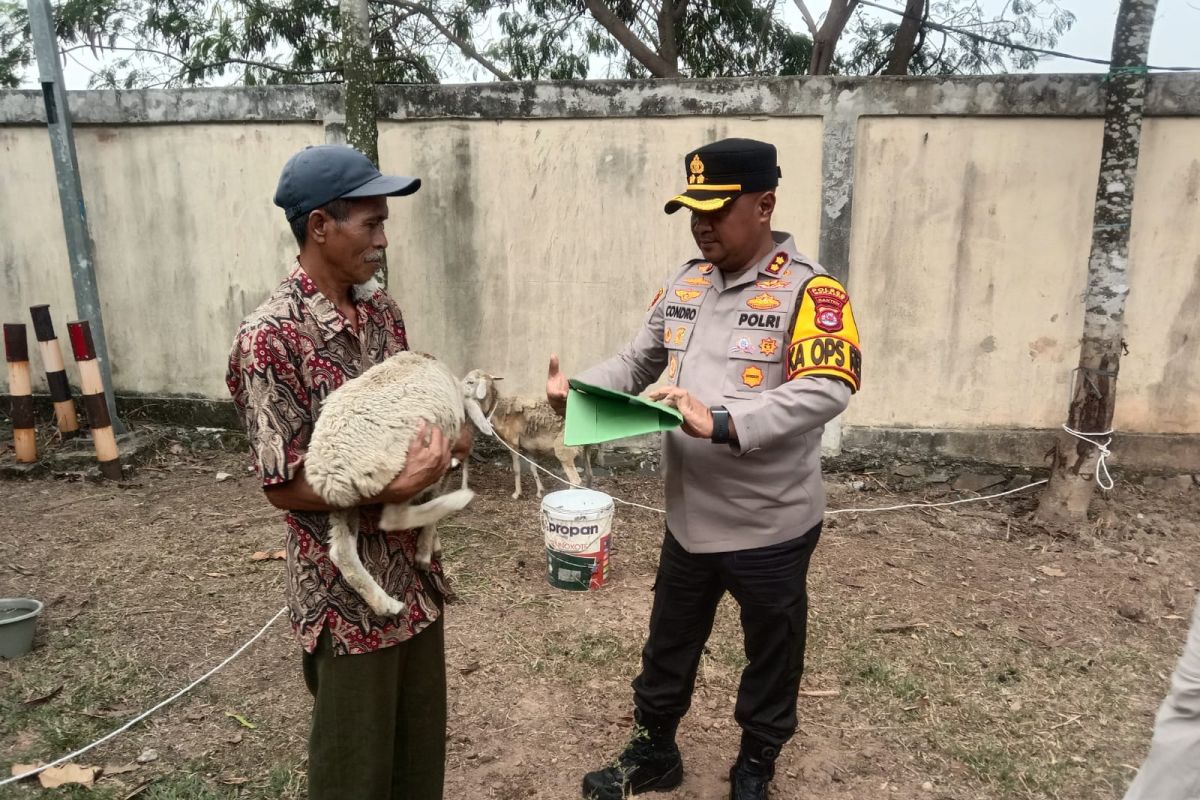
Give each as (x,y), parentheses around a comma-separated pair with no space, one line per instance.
(529,423)
(360,443)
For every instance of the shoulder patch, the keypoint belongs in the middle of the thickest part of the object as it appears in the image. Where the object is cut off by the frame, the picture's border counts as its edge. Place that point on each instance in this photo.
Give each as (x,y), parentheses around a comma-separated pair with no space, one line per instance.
(825,338)
(776,265)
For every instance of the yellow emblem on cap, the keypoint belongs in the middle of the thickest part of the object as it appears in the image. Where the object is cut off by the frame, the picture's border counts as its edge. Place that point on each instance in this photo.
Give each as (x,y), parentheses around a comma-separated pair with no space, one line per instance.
(697,168)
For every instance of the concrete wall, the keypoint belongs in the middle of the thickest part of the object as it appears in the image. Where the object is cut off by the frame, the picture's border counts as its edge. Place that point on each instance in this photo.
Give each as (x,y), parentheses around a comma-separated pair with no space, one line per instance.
(958,211)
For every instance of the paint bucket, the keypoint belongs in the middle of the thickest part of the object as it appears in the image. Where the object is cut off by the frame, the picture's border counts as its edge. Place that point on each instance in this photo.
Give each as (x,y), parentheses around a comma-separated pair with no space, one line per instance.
(577,526)
(18,620)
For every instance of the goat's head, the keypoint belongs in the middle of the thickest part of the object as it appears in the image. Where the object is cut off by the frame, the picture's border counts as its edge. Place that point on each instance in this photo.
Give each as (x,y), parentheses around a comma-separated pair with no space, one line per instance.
(479,398)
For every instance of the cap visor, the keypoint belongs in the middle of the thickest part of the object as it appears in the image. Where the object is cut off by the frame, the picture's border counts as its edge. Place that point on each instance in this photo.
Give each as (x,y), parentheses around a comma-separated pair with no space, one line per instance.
(702,204)
(386,185)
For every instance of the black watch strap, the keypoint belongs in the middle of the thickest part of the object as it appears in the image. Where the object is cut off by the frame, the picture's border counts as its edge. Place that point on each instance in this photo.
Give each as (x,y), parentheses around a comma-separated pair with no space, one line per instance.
(720,434)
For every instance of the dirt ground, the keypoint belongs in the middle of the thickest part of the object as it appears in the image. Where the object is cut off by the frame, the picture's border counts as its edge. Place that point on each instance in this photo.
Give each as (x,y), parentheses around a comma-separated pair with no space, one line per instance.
(956,653)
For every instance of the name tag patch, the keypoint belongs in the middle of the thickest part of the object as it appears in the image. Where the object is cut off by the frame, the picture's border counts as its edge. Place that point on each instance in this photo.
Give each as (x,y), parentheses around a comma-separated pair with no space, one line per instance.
(676,311)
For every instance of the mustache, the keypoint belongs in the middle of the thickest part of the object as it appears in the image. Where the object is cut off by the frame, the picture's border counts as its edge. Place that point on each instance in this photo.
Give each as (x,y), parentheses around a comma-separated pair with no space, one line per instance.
(374,258)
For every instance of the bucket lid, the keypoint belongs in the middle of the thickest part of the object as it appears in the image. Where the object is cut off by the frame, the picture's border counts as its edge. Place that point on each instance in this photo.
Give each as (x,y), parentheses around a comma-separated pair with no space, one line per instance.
(577,501)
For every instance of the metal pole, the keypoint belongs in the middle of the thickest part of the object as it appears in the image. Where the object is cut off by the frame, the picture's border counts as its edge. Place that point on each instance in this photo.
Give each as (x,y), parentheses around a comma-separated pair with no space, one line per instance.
(70,191)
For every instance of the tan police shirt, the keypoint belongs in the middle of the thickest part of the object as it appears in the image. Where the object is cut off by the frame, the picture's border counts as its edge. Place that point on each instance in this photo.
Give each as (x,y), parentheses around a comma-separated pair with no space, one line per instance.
(777,345)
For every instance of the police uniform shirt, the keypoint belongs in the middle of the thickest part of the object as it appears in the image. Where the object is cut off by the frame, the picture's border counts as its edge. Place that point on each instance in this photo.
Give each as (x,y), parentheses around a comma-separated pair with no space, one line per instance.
(777,345)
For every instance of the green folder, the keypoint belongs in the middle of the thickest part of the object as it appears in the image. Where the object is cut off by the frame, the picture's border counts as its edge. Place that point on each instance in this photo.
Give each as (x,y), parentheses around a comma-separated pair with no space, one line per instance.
(596,415)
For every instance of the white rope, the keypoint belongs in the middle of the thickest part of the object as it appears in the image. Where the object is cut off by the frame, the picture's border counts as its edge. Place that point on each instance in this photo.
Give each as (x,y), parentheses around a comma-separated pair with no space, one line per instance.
(937,505)
(145,714)
(1105,482)
(565,482)
(827,513)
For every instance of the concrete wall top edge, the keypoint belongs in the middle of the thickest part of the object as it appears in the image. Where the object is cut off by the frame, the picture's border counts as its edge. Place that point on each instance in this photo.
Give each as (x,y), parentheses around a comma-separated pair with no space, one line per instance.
(1175,94)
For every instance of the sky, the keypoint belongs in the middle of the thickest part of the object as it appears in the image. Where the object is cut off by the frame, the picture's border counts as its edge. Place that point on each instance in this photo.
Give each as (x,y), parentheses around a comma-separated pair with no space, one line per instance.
(1175,40)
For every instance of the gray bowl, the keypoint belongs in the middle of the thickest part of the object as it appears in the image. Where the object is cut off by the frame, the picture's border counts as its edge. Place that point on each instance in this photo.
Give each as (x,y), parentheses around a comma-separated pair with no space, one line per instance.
(18,620)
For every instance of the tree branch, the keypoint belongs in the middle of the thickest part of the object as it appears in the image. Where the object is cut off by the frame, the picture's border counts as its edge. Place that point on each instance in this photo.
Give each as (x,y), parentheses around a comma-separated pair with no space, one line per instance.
(808,17)
(658,66)
(462,44)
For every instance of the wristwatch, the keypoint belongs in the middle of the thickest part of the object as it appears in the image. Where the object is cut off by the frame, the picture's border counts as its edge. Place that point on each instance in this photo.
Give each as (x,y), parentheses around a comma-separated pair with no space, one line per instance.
(720,433)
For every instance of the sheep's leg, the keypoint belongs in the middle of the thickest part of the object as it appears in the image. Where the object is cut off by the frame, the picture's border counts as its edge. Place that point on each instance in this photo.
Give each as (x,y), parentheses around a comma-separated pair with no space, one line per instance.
(566,457)
(343,552)
(429,547)
(537,480)
(516,458)
(400,517)
(589,479)
(465,468)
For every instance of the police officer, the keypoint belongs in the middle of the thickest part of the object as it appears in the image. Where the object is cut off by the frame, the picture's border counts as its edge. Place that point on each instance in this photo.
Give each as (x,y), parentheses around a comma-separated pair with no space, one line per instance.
(758,349)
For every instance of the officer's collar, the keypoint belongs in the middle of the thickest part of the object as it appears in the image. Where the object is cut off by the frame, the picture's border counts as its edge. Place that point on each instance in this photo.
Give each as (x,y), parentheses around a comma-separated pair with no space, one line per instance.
(772,265)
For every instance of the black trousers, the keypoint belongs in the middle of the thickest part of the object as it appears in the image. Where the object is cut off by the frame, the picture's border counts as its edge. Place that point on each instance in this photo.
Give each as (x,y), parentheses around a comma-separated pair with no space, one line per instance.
(770,586)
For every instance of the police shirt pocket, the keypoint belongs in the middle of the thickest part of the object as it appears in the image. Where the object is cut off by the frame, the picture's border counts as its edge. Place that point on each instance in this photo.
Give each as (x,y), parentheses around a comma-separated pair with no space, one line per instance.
(755,362)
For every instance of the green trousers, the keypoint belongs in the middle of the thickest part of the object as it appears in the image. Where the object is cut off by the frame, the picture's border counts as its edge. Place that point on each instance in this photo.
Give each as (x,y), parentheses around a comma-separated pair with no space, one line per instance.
(379,720)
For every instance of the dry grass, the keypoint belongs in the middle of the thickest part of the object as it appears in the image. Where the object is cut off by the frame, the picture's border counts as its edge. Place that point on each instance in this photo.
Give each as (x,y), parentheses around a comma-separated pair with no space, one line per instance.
(956,662)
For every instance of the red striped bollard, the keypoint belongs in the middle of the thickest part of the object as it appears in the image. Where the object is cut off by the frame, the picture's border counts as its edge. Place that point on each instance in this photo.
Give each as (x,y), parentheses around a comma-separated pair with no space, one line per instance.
(92,387)
(20,387)
(56,371)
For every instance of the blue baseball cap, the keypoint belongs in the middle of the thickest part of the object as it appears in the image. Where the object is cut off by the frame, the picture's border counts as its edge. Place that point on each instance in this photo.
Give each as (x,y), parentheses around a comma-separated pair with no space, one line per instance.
(323,173)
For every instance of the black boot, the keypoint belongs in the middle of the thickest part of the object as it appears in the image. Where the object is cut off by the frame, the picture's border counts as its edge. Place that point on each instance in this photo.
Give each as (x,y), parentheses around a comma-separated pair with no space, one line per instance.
(753,771)
(649,763)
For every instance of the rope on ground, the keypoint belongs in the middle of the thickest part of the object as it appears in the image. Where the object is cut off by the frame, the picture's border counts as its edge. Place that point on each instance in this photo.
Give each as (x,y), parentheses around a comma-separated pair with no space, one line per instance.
(147,713)
(536,465)
(1105,482)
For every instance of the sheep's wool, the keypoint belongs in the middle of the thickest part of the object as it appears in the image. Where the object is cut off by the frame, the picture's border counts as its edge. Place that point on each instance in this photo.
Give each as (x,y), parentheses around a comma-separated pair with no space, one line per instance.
(360,442)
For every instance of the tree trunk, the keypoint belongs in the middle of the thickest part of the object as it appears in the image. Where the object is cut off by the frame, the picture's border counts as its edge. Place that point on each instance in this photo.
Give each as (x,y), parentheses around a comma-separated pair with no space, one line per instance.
(825,42)
(1065,500)
(641,52)
(905,40)
(358,73)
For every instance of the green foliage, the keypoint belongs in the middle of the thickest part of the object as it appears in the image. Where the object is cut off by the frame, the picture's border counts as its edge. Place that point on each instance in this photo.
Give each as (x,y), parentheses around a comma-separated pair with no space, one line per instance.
(149,43)
(1033,23)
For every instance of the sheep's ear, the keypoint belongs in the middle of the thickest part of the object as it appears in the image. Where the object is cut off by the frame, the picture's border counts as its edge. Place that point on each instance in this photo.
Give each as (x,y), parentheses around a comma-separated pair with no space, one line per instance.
(475,413)
(481,391)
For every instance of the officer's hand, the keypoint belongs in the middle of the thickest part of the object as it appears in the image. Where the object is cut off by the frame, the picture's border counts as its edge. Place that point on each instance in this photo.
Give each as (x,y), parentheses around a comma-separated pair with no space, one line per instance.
(556,387)
(697,419)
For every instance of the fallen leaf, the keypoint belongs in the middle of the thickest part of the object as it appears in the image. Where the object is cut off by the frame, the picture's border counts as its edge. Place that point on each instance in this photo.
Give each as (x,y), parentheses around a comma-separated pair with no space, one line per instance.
(22,769)
(223,476)
(245,723)
(141,787)
(469,668)
(235,739)
(117,769)
(263,555)
(232,780)
(958,634)
(821,693)
(194,716)
(903,627)
(108,712)
(45,698)
(148,755)
(54,777)
(216,575)
(1053,572)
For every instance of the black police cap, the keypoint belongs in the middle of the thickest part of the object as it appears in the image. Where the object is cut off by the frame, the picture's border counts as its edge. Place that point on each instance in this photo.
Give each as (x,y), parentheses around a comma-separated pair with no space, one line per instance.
(717,173)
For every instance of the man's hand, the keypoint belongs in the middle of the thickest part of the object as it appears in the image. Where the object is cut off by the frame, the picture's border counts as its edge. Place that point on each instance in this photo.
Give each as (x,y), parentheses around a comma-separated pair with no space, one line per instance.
(697,419)
(556,387)
(428,460)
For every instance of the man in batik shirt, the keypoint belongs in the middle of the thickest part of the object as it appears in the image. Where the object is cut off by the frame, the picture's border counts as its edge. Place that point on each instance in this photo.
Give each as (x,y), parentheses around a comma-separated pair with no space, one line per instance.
(378,684)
